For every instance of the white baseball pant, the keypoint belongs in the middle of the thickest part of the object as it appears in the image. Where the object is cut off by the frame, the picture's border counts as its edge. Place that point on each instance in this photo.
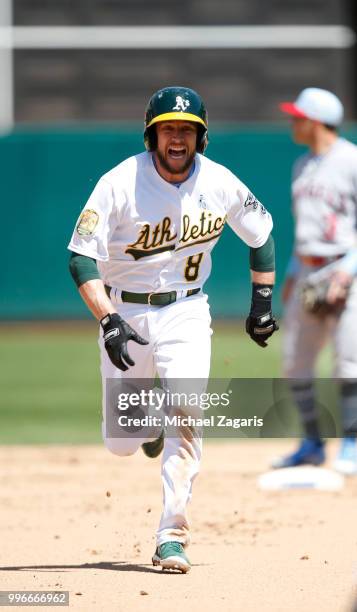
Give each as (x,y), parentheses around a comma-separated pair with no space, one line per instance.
(306,334)
(179,348)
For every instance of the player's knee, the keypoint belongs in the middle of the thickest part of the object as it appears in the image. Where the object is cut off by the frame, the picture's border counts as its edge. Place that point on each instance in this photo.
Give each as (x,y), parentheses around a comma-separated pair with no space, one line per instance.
(119,447)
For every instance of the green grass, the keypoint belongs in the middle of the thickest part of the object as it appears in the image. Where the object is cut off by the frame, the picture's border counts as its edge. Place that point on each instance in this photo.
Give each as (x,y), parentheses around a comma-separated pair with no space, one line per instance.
(50,381)
(50,385)
(234,355)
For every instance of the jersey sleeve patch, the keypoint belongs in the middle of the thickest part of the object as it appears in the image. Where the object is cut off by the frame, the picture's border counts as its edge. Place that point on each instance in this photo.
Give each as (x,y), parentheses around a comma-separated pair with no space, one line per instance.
(254,203)
(87,223)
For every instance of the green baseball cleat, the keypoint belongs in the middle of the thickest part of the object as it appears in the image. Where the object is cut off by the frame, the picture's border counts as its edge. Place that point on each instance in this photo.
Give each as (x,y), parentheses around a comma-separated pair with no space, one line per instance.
(171,555)
(153,449)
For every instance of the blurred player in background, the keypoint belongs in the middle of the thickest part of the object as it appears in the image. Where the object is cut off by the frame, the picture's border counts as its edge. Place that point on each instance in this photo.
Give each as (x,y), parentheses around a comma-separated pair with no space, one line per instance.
(320,291)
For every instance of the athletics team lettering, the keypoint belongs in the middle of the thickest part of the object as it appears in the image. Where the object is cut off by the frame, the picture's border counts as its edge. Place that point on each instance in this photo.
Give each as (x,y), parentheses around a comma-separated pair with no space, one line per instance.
(161,237)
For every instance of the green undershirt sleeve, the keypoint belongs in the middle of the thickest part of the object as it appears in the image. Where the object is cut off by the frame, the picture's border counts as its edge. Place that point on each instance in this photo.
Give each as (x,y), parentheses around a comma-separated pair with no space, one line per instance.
(262,259)
(82,268)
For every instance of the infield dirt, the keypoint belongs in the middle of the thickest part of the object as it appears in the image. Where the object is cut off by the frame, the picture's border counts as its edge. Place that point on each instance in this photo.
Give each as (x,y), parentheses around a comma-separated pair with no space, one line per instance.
(79,519)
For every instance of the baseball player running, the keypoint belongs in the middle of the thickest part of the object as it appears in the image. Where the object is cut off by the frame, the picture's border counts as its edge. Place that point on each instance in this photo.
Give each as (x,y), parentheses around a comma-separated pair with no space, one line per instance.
(141,253)
(320,291)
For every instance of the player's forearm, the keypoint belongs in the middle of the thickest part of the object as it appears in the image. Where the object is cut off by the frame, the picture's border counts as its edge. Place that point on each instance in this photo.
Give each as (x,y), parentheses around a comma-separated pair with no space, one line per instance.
(262,259)
(85,274)
(348,263)
(262,263)
(95,297)
(262,278)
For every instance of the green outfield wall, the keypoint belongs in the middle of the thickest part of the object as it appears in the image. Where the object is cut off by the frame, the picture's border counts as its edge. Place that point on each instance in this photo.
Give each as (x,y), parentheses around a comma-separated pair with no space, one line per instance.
(47,176)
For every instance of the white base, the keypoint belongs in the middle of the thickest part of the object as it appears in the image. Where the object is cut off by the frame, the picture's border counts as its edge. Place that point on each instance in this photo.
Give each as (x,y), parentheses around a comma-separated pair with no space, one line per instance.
(304,477)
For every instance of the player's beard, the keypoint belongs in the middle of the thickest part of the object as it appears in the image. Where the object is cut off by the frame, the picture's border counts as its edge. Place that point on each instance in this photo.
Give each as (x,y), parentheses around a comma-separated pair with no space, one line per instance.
(186,164)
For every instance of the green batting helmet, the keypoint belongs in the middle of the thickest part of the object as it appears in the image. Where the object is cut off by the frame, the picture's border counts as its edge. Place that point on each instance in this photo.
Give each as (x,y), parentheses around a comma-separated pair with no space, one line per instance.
(172,104)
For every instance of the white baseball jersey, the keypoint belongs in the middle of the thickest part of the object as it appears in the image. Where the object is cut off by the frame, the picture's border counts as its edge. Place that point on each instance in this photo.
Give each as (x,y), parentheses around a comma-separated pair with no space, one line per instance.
(149,235)
(324,194)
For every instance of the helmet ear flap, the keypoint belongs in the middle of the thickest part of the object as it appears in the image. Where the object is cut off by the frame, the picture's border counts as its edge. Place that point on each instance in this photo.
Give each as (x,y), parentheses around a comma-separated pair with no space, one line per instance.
(202,140)
(150,138)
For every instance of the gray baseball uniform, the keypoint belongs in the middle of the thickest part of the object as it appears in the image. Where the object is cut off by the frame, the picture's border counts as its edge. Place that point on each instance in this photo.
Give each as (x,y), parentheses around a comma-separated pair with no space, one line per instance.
(324,194)
(325,199)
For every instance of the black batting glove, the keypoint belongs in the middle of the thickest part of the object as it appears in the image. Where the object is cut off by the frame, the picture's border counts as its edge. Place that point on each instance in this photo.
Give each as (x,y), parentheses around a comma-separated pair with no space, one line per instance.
(116,335)
(260,324)
(261,328)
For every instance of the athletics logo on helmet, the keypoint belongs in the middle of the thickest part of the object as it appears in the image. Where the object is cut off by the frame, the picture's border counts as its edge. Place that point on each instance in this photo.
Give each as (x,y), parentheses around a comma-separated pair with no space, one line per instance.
(181,104)
(175,104)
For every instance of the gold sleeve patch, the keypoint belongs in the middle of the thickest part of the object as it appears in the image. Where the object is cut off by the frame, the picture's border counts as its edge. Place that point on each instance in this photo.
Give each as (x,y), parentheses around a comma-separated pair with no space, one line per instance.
(87,222)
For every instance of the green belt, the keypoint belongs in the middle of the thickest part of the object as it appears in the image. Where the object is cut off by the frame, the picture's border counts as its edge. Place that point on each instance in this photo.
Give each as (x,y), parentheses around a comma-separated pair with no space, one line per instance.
(154,299)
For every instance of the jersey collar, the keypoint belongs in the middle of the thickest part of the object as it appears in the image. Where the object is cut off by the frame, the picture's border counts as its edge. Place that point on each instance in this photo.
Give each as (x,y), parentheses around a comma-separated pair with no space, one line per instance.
(177,185)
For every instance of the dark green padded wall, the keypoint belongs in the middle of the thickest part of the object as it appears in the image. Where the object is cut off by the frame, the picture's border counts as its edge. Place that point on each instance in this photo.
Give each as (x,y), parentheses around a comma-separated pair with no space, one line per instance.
(47,176)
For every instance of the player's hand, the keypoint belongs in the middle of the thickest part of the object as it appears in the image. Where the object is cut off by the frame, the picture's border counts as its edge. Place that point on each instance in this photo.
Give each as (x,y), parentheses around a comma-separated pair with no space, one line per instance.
(261,328)
(116,335)
(338,287)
